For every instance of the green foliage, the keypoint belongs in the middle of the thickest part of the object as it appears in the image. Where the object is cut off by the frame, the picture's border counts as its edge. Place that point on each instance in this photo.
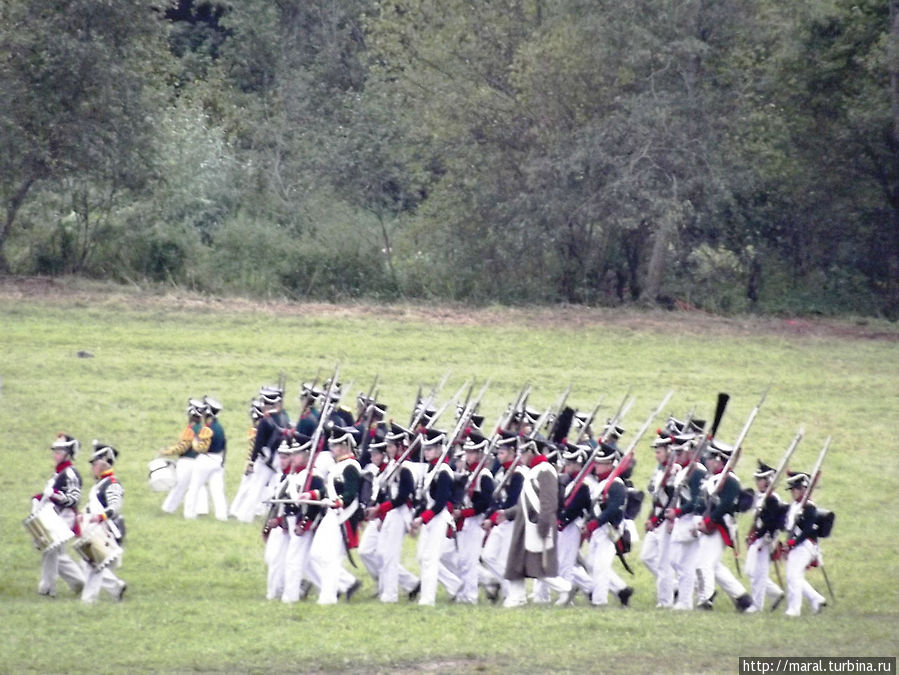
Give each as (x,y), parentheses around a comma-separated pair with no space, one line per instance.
(195,599)
(524,151)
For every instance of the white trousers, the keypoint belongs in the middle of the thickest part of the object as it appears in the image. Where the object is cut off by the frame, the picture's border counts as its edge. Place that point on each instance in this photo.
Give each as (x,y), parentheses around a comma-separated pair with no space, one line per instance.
(207,470)
(684,549)
(184,468)
(602,554)
(432,544)
(326,559)
(296,563)
(470,538)
(758,564)
(495,554)
(275,559)
(797,586)
(390,550)
(256,490)
(98,580)
(58,564)
(712,570)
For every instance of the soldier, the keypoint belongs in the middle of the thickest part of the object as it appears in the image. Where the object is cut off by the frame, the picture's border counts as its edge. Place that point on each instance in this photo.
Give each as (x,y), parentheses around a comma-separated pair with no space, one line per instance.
(302,519)
(533,547)
(371,474)
(392,516)
(256,414)
(605,524)
(338,531)
(655,553)
(801,548)
(470,513)
(209,465)
(768,521)
(717,529)
(265,445)
(186,453)
(104,509)
(63,491)
(275,530)
(495,553)
(434,519)
(684,512)
(574,507)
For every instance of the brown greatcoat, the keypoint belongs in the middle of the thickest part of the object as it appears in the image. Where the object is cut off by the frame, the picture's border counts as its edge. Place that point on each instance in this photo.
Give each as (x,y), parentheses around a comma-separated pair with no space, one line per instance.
(522,563)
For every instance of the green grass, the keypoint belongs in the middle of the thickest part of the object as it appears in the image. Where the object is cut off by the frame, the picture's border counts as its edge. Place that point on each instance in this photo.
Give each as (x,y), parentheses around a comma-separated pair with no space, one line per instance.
(196,589)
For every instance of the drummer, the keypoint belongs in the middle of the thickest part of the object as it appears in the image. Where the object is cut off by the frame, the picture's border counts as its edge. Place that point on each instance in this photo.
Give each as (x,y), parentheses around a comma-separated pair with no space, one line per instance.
(104,509)
(62,491)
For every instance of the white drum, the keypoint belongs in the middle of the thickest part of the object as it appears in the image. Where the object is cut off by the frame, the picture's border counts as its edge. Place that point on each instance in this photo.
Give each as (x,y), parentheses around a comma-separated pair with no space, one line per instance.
(47,528)
(98,546)
(161,474)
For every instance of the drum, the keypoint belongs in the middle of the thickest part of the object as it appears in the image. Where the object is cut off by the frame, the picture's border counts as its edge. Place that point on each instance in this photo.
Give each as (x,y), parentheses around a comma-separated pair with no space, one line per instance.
(161,474)
(47,528)
(98,546)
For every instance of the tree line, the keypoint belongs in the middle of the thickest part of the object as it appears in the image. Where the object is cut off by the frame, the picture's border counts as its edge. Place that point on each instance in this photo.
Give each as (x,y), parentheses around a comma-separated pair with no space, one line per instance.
(733,155)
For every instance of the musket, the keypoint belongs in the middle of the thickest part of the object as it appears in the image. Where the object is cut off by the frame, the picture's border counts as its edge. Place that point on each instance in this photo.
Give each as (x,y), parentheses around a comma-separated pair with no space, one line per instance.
(581,476)
(826,580)
(414,443)
(625,460)
(424,403)
(589,420)
(471,486)
(317,441)
(755,411)
(815,475)
(753,535)
(720,407)
(310,502)
(304,401)
(462,422)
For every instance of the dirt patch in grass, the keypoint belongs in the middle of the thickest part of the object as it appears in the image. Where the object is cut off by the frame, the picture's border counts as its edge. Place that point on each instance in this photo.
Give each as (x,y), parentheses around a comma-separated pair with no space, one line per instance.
(684,320)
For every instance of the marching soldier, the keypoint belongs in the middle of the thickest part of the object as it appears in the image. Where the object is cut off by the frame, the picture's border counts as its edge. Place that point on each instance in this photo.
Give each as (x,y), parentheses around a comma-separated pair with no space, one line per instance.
(275,530)
(372,473)
(265,446)
(533,549)
(186,452)
(302,520)
(63,491)
(609,497)
(256,414)
(574,507)
(762,538)
(392,516)
(684,512)
(470,513)
(104,509)
(655,553)
(716,532)
(495,553)
(801,547)
(434,519)
(338,531)
(209,465)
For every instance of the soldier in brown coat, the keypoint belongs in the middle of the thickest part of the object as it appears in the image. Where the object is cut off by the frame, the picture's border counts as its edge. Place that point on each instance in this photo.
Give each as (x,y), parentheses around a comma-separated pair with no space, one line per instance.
(533,553)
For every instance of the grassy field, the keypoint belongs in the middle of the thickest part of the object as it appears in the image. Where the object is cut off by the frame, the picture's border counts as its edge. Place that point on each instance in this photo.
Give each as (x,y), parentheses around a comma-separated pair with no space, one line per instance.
(196,589)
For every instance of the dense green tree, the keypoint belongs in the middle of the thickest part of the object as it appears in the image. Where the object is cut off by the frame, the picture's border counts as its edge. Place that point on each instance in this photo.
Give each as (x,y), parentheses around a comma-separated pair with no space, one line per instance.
(77,79)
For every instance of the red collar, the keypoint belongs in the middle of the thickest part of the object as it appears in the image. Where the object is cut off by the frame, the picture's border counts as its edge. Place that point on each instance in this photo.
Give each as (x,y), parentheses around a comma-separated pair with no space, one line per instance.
(539,459)
(106,474)
(62,466)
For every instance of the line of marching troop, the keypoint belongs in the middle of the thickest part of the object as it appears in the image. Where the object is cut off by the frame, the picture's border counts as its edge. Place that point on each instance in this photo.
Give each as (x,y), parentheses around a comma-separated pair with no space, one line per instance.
(492,508)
